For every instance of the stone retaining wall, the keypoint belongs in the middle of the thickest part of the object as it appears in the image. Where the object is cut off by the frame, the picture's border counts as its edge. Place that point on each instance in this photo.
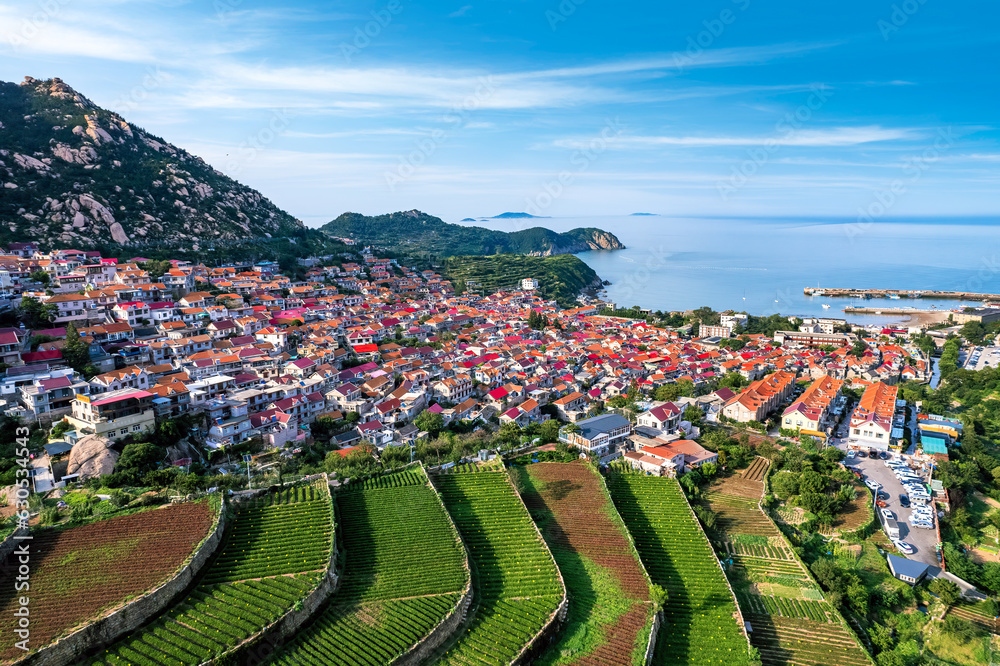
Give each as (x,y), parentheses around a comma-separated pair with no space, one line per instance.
(446,628)
(267,641)
(651,644)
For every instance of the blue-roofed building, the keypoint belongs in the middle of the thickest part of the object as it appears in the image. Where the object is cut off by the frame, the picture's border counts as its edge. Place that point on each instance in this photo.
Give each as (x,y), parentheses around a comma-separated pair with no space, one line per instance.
(934,445)
(909,571)
(602,436)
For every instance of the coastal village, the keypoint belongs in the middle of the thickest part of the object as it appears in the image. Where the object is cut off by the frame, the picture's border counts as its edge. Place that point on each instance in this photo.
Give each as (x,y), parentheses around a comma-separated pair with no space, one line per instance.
(369,360)
(370,344)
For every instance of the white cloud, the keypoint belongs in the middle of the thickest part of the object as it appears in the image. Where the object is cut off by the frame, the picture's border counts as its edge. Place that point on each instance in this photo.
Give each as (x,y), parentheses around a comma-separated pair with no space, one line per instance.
(830,138)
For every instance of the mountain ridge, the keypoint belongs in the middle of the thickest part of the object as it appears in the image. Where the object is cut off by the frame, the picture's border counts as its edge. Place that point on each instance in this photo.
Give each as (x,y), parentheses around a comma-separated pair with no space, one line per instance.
(74,173)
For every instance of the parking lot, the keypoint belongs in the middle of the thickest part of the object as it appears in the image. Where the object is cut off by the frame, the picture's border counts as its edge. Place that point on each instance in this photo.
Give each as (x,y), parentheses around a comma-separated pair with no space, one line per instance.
(977,358)
(922,540)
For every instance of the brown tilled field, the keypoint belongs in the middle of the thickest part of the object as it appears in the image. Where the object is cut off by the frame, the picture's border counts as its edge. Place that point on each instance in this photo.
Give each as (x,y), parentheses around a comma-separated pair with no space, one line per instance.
(739,486)
(77,573)
(581,524)
(756,470)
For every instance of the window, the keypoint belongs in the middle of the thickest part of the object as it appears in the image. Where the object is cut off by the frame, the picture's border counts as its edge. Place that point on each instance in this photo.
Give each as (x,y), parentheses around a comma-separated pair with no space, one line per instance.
(136,428)
(124,431)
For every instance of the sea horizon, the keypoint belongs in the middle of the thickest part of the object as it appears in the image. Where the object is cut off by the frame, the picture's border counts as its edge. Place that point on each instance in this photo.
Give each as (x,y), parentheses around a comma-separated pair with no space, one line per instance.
(681,263)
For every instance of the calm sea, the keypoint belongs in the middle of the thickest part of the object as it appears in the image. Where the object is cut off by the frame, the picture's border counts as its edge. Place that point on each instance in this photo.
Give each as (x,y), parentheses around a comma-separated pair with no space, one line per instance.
(761,266)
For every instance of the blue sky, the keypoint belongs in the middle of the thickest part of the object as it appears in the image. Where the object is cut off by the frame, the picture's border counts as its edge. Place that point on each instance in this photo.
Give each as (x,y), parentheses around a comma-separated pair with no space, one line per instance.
(572,108)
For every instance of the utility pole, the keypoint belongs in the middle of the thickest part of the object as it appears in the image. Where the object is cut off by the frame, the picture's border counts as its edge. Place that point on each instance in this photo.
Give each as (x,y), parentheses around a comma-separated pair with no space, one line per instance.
(246,458)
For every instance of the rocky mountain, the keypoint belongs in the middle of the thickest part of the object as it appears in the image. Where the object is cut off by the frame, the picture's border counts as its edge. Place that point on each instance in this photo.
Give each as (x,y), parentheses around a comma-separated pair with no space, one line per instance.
(419,232)
(72,173)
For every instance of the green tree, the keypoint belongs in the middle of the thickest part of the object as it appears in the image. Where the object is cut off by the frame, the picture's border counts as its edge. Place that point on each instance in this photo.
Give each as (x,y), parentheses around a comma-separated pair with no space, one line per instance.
(36,314)
(659,596)
(859,348)
(136,460)
(693,414)
(733,380)
(674,390)
(812,482)
(945,590)
(430,422)
(40,277)
(76,351)
(785,485)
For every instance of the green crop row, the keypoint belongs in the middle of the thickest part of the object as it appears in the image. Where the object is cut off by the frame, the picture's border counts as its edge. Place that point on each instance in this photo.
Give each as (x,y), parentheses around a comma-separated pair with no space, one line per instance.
(392,480)
(398,543)
(275,540)
(210,620)
(367,634)
(292,495)
(500,630)
(517,581)
(699,626)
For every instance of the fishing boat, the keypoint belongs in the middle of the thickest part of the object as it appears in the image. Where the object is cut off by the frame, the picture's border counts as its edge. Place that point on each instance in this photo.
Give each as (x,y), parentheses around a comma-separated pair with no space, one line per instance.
(826,306)
(894,297)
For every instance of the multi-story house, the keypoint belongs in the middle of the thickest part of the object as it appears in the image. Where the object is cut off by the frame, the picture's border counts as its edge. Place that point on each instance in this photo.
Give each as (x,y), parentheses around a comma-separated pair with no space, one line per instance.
(663,418)
(113,415)
(69,308)
(760,398)
(604,437)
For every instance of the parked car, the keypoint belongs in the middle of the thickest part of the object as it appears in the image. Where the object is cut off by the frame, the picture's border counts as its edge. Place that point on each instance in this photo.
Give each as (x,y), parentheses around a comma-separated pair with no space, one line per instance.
(904,501)
(882,495)
(923,526)
(872,484)
(862,454)
(888,514)
(883,455)
(881,504)
(903,547)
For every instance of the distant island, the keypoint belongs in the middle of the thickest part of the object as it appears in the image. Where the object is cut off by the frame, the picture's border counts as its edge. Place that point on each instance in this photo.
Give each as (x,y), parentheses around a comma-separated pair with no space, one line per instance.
(515,216)
(468,219)
(413,231)
(644,215)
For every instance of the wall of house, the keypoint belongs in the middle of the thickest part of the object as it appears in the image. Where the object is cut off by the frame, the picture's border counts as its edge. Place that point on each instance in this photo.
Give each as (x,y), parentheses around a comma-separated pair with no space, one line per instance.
(71,649)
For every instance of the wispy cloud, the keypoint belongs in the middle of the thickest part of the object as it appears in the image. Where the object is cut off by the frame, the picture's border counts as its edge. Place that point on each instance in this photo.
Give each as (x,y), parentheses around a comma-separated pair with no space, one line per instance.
(460,12)
(830,138)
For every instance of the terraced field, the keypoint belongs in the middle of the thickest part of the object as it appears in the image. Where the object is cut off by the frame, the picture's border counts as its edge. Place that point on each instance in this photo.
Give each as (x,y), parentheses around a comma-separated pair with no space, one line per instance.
(975,613)
(791,622)
(700,625)
(99,566)
(405,572)
(756,470)
(516,582)
(784,640)
(610,613)
(738,514)
(276,552)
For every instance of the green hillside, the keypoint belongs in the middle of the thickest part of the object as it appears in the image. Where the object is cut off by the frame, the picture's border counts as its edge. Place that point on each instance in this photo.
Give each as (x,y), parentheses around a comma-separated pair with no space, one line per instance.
(416,232)
(561,277)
